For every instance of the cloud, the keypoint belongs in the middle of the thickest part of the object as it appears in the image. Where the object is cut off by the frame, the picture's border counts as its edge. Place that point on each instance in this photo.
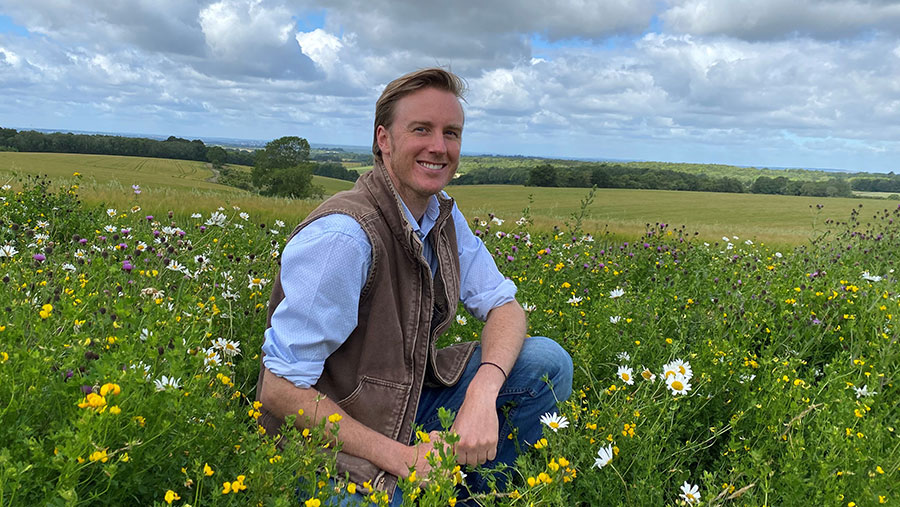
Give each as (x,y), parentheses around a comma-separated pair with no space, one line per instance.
(243,37)
(720,81)
(777,19)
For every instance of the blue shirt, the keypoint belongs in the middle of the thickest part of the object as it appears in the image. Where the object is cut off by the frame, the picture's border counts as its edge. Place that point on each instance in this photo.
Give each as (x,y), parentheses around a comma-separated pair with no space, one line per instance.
(323,270)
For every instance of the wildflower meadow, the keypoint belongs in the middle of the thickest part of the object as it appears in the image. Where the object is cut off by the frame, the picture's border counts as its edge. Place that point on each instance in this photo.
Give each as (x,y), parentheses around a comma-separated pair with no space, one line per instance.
(706,373)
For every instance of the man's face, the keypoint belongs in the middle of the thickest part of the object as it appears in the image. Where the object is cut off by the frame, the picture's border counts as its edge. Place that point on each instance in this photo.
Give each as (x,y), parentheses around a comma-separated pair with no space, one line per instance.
(421,148)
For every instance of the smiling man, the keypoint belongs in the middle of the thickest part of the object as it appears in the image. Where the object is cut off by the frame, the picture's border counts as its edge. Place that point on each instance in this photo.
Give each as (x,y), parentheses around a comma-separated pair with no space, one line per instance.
(368,283)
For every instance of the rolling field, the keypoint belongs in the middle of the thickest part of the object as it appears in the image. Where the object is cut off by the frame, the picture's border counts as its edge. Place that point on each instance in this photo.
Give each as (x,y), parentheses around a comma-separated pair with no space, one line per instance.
(182,186)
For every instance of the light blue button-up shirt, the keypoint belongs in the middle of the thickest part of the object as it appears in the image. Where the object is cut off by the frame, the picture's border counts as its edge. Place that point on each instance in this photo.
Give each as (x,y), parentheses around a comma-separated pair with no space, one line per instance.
(323,270)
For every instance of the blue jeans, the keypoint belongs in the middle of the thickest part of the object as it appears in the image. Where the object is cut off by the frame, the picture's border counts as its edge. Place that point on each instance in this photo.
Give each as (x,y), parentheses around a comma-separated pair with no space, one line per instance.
(521,402)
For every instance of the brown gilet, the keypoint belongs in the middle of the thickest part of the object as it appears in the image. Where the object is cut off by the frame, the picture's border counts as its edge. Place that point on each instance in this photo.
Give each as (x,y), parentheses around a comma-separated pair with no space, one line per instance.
(378,373)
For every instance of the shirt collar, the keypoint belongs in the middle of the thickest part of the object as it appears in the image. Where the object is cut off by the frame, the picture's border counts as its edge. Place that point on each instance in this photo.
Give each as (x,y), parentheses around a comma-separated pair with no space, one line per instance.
(428,219)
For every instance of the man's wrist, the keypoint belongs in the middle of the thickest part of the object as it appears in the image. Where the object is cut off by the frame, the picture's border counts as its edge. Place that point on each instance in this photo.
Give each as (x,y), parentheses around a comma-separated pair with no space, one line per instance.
(487,380)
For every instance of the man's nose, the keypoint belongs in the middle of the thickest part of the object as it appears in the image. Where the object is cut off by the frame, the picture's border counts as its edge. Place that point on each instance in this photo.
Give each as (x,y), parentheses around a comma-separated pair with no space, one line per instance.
(438,143)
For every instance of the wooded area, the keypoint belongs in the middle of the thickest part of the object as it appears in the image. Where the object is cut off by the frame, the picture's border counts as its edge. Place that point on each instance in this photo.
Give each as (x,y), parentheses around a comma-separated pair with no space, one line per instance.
(481,170)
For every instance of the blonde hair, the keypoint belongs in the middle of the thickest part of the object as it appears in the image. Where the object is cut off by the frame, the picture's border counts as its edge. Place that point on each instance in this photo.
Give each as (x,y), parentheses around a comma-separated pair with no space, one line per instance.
(433,77)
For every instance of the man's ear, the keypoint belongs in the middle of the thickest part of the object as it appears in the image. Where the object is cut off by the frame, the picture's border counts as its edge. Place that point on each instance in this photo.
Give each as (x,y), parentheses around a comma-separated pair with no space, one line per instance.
(383,137)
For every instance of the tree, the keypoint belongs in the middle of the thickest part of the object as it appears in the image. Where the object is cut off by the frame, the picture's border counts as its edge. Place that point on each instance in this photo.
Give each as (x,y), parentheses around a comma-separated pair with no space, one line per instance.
(542,176)
(282,168)
(216,155)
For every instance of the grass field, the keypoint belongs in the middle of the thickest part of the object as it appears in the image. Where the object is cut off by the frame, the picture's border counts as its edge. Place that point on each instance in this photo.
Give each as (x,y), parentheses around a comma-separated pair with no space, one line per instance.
(182,186)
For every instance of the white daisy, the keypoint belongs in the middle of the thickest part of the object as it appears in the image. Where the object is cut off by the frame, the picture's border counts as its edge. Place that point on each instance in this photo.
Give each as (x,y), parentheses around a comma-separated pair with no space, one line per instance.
(554,421)
(615,319)
(678,384)
(110,229)
(678,367)
(574,300)
(244,215)
(211,359)
(871,278)
(613,294)
(196,215)
(217,219)
(623,356)
(461,320)
(256,283)
(604,456)
(111,212)
(625,374)
(690,493)
(498,221)
(167,383)
(647,374)
(863,392)
(279,223)
(8,251)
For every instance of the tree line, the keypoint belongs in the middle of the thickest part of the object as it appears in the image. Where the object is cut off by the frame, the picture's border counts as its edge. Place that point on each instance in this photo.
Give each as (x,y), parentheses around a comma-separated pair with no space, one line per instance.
(99,144)
(607,175)
(274,158)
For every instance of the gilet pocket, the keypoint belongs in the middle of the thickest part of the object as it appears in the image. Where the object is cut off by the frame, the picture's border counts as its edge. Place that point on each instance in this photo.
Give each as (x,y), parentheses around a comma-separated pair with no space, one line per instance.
(378,404)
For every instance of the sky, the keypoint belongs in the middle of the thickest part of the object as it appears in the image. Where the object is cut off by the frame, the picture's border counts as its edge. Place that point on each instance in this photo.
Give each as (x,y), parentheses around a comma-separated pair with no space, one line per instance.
(764,83)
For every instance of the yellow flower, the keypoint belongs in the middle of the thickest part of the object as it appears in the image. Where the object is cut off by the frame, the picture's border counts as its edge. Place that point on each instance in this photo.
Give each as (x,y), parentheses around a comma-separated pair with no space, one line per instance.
(424,437)
(46,310)
(412,477)
(312,502)
(452,501)
(99,456)
(110,389)
(333,418)
(93,401)
(226,488)
(4,357)
(170,496)
(563,462)
(115,410)
(351,488)
(207,470)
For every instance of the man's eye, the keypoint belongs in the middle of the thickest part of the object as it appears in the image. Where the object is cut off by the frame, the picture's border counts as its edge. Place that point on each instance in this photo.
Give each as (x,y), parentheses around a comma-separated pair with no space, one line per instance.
(451,133)
(419,129)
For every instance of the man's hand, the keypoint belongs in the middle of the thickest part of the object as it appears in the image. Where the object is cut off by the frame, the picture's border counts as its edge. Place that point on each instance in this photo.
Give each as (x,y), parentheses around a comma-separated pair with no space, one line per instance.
(418,459)
(477,423)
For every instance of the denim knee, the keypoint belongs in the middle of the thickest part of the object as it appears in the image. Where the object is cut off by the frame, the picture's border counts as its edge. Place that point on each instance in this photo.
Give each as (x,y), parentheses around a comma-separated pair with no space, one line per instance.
(542,356)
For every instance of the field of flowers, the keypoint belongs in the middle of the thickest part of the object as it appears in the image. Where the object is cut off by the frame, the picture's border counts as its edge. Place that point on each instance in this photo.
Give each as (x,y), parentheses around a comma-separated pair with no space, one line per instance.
(721,373)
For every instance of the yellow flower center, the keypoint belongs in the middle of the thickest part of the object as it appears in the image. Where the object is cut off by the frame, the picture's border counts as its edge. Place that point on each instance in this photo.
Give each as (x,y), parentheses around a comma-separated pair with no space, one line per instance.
(626,377)
(678,386)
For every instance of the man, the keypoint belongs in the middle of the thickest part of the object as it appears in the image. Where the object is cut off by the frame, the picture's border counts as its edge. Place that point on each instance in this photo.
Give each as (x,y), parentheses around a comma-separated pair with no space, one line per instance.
(370,280)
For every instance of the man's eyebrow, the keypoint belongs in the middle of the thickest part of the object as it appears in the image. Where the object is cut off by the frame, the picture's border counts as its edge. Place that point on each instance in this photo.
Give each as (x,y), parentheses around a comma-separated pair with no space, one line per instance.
(426,123)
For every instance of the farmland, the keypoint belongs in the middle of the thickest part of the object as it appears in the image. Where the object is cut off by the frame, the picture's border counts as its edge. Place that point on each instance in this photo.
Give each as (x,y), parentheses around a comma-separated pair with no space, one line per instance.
(183,187)
(741,373)
(759,374)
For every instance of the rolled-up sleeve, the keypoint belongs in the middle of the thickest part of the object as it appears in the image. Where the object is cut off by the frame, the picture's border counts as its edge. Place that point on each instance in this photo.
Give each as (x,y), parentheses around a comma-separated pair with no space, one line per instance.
(324,268)
(482,286)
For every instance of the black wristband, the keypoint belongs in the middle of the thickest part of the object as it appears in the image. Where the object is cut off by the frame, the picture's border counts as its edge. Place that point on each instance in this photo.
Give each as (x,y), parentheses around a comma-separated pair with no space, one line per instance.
(505,376)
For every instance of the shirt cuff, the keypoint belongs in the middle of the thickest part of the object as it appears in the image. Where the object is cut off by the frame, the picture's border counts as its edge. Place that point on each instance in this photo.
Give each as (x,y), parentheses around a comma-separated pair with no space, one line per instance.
(481,304)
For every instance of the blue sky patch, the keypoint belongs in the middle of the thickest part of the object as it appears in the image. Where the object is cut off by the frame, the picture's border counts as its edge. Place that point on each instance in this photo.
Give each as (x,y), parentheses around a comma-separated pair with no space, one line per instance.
(7,26)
